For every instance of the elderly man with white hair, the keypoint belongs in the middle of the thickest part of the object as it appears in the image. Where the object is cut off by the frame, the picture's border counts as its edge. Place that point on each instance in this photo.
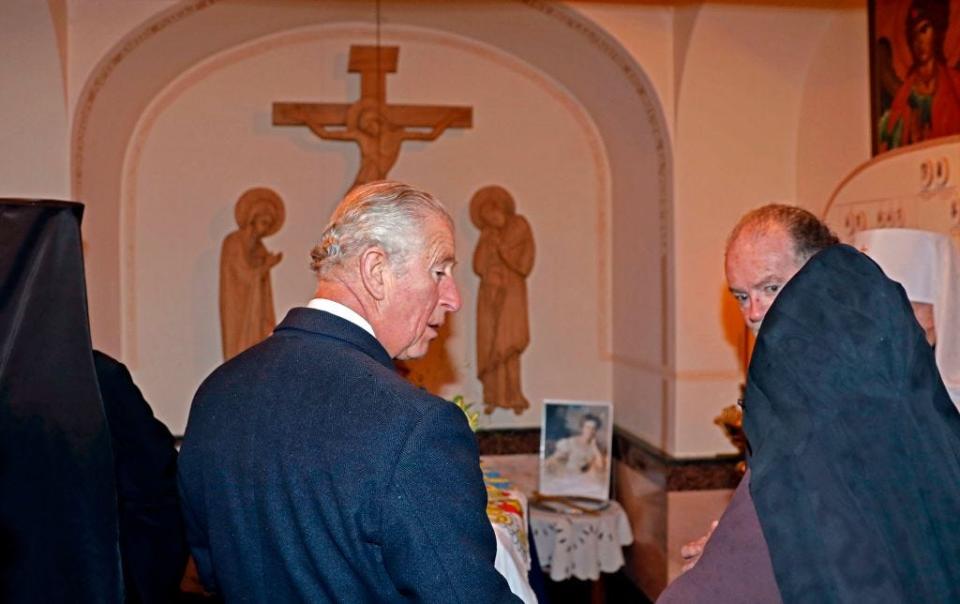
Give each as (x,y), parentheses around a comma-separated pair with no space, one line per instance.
(310,470)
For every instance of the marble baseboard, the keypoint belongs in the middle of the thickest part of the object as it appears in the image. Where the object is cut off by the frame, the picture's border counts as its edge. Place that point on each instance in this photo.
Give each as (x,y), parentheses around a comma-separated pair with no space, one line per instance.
(675,474)
(509,441)
(671,473)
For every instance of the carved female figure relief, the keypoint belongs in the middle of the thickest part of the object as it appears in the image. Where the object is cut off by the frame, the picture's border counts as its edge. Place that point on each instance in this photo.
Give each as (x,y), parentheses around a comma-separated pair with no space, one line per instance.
(503,259)
(246,297)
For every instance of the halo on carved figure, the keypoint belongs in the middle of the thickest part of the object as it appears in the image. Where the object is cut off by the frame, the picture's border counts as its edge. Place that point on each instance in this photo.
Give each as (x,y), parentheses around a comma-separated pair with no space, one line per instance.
(493,194)
(254,198)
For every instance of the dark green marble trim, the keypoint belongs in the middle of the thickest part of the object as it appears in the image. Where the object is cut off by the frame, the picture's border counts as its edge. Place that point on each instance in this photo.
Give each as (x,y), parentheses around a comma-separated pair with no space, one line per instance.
(509,441)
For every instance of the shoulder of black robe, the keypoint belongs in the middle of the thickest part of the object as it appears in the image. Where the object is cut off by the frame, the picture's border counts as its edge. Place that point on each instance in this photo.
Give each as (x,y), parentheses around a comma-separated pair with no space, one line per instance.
(855,442)
(58,520)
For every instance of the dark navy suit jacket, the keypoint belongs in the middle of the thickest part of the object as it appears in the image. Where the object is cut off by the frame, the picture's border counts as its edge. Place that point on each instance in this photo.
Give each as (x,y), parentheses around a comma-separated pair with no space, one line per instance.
(310,471)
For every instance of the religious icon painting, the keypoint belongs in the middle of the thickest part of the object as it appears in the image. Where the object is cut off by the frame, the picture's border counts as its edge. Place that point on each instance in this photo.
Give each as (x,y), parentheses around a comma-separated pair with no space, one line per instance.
(914,75)
(575,449)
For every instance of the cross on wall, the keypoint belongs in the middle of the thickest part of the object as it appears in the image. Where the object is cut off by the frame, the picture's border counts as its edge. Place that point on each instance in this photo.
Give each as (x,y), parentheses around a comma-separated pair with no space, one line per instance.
(376,126)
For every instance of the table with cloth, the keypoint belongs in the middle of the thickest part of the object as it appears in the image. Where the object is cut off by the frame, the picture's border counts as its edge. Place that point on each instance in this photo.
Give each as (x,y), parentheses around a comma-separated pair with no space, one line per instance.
(568,545)
(582,544)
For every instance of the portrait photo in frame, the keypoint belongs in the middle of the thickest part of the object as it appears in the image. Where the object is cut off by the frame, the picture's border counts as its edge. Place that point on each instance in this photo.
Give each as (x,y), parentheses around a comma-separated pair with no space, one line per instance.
(914,75)
(575,448)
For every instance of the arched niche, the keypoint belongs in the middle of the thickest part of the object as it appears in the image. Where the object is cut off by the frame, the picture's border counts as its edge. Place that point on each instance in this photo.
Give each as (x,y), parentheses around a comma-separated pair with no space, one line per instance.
(552,39)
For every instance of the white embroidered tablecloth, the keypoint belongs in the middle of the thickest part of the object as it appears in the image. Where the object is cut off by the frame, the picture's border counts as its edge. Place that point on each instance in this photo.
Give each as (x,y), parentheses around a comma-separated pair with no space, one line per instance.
(581,545)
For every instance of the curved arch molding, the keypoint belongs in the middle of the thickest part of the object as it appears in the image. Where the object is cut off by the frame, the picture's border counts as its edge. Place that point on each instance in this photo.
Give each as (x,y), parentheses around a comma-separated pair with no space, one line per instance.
(554,39)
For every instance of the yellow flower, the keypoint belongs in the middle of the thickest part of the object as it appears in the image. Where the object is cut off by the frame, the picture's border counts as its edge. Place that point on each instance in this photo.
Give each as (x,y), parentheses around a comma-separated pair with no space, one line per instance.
(473,418)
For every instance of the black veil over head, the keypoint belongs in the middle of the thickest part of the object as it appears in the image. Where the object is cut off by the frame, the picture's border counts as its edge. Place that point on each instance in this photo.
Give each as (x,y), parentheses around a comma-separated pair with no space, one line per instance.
(58,502)
(855,442)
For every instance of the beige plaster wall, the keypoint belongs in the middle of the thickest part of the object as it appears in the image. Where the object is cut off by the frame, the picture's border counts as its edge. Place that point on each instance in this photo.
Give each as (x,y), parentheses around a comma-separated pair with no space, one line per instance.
(95,26)
(33,111)
(834,124)
(751,119)
(647,32)
(764,103)
(643,328)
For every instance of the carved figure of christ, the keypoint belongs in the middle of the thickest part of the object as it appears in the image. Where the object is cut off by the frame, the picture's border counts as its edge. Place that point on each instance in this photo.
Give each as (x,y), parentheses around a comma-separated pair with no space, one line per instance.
(377,128)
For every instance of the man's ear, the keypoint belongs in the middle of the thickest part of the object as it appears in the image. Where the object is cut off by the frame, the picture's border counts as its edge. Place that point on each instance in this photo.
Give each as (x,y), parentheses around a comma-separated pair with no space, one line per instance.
(375,272)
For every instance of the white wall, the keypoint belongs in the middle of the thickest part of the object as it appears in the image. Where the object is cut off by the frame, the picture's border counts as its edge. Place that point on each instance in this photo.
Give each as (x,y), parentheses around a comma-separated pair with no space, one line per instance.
(33,111)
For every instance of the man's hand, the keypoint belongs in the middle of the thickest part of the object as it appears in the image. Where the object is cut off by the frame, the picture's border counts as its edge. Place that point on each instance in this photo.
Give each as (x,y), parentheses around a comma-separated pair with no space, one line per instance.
(691,551)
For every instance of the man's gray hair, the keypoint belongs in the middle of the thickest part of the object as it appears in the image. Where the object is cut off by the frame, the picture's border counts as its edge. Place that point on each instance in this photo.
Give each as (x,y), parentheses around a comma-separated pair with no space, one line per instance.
(808,234)
(386,214)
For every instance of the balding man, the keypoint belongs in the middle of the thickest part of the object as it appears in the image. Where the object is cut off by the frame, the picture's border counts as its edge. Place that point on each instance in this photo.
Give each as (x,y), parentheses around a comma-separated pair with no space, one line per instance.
(310,471)
(851,494)
(765,250)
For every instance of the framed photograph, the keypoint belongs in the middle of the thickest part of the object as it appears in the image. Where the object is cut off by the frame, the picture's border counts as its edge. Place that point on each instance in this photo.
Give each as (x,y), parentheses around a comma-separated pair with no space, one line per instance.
(575,444)
(914,75)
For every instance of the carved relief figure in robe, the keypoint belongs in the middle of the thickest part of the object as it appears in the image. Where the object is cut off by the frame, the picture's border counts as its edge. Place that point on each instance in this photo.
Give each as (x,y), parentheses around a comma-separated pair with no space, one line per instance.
(503,259)
(246,297)
(379,139)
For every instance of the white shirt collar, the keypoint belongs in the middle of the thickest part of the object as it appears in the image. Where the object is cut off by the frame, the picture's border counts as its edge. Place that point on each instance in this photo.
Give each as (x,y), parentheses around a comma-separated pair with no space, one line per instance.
(339,310)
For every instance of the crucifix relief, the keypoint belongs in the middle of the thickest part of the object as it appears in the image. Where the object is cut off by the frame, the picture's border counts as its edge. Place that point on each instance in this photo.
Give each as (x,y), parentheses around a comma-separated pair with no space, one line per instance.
(378,128)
